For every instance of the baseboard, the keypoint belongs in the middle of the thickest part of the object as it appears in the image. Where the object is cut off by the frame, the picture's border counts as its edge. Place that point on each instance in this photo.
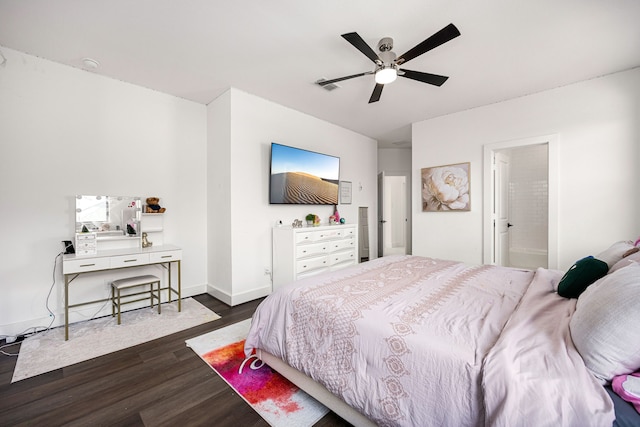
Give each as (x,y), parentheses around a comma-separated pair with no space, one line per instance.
(238,298)
(81,314)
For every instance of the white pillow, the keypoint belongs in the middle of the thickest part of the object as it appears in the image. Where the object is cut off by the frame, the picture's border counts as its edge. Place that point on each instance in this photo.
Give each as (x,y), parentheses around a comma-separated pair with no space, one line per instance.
(605,326)
(615,252)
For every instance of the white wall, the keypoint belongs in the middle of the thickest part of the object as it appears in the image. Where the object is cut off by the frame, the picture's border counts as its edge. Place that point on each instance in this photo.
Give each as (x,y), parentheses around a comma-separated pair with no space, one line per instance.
(64,131)
(598,128)
(394,159)
(219,193)
(528,197)
(253,124)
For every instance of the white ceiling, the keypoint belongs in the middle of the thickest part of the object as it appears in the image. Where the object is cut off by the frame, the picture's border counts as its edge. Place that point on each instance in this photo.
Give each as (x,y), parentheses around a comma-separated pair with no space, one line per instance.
(197,49)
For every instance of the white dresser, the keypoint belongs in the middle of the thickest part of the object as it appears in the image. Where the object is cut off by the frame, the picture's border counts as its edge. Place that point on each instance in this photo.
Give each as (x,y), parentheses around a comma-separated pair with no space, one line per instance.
(306,251)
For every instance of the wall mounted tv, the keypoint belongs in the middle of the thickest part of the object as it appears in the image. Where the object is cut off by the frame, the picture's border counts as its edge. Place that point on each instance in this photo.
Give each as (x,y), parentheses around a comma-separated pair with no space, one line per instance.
(302,177)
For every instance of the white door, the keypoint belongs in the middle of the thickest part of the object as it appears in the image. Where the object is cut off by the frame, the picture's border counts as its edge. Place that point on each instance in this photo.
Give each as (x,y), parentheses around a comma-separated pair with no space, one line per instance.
(393,215)
(501,209)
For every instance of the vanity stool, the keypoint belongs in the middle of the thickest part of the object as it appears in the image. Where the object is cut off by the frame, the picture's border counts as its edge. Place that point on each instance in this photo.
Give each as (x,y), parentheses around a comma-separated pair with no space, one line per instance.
(133,282)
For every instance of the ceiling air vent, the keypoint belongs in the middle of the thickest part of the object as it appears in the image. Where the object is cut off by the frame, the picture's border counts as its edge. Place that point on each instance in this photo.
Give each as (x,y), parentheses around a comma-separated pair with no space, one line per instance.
(329,87)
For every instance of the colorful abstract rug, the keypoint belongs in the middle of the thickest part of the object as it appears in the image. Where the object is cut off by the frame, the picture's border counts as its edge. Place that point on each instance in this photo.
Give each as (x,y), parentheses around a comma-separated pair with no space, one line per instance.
(275,398)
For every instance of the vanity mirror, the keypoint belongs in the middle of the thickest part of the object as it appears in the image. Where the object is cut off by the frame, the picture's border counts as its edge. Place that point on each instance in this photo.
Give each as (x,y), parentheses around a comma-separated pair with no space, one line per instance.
(108,216)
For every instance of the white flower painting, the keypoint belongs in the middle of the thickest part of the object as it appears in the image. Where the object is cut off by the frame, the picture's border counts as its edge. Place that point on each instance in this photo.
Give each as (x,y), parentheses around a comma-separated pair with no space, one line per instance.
(446,188)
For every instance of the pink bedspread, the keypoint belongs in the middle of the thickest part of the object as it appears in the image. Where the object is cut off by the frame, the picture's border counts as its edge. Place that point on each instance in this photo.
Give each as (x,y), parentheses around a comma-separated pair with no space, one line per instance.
(534,372)
(402,339)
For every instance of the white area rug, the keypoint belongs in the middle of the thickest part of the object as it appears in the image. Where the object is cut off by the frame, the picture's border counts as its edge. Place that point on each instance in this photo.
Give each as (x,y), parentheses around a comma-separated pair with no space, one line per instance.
(48,351)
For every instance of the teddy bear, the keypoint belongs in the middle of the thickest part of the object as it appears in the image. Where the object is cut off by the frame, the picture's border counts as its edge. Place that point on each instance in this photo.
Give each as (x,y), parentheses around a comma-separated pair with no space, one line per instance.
(153,205)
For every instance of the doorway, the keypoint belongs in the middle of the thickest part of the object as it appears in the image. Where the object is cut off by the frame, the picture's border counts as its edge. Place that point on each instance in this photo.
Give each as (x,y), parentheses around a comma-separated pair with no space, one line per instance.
(520,213)
(394,232)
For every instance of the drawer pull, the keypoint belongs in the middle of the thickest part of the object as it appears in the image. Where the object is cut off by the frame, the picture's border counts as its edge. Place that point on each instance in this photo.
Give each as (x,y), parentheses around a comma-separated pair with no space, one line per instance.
(87,265)
(166,256)
(130,260)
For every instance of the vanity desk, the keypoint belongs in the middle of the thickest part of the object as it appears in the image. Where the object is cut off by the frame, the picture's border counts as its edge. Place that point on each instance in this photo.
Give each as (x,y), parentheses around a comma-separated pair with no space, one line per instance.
(74,265)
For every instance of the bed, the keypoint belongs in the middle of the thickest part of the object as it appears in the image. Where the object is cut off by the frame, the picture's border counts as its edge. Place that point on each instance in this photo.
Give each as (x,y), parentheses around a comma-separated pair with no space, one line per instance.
(408,340)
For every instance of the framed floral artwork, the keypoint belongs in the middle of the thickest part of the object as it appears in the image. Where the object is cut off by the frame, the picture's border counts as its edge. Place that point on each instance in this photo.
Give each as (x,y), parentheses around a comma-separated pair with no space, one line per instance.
(446,188)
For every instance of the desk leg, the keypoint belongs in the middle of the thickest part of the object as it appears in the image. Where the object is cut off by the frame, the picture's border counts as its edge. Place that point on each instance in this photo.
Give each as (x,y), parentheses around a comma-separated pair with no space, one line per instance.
(179,287)
(169,288)
(66,307)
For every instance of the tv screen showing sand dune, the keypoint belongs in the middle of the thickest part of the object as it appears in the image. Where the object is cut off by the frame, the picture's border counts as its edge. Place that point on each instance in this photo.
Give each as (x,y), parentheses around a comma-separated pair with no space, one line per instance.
(303,177)
(302,188)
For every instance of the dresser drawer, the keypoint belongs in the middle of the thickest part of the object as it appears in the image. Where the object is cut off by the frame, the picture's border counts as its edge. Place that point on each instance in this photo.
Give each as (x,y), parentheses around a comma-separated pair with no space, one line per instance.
(318,235)
(306,237)
(342,257)
(129,260)
(303,251)
(342,244)
(311,273)
(167,256)
(349,232)
(327,234)
(86,264)
(306,265)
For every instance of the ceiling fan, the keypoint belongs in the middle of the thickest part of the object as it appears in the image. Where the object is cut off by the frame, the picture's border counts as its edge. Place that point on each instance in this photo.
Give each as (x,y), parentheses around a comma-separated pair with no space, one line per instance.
(387,67)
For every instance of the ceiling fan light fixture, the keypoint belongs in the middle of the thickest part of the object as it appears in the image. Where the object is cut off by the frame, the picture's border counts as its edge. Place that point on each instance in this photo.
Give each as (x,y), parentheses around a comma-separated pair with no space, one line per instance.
(386,75)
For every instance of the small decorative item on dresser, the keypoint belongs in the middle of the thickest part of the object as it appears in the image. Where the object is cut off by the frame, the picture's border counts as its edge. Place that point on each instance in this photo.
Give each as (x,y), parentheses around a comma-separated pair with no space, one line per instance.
(296,223)
(145,242)
(153,205)
(335,218)
(311,218)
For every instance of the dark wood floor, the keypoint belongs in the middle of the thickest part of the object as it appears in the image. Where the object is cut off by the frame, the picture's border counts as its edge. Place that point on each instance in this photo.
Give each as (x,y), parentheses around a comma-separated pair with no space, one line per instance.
(159,383)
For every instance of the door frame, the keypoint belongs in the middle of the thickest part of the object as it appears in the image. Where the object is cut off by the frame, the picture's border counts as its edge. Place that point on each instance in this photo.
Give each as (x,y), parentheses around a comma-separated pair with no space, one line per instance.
(488,184)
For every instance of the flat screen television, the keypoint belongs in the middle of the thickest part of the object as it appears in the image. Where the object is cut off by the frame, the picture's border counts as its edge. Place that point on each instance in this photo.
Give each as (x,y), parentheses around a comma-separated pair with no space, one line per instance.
(302,177)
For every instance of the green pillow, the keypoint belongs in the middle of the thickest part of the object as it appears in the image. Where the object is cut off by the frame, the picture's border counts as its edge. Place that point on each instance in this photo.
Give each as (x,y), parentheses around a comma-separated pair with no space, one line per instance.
(581,274)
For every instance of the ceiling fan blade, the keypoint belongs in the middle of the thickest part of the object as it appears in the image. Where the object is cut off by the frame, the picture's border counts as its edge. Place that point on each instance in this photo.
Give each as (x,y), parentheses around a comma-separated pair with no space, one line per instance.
(377,91)
(339,79)
(432,79)
(357,42)
(444,35)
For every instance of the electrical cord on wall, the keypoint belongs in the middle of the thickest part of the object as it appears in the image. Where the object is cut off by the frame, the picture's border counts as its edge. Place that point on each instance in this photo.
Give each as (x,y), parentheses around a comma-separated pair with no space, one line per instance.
(106,299)
(34,329)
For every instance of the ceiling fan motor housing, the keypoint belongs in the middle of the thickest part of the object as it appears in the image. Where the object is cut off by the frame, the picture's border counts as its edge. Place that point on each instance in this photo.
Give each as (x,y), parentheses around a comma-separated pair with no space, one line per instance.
(388,58)
(385,44)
